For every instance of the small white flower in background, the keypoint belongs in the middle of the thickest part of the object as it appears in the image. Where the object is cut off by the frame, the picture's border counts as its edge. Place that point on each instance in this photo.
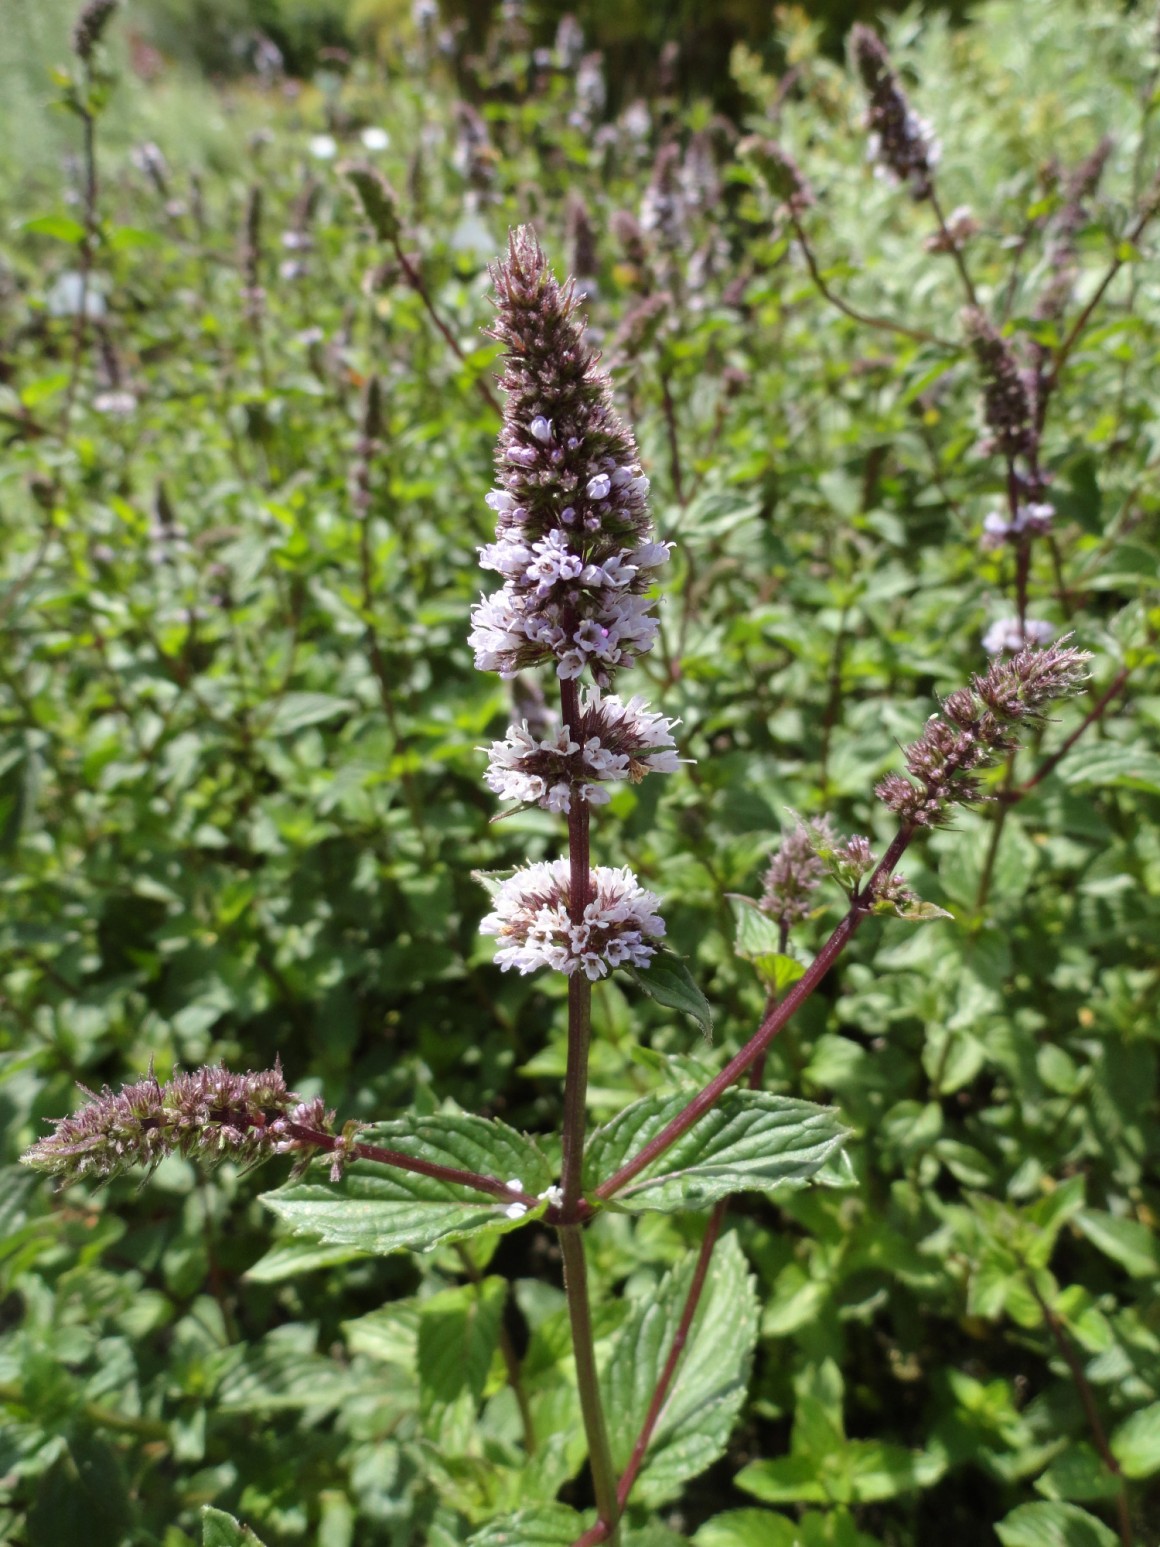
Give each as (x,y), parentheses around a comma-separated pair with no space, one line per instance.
(515,1185)
(553,1196)
(374,138)
(65,297)
(323,147)
(119,403)
(1006,634)
(516,1210)
(532,923)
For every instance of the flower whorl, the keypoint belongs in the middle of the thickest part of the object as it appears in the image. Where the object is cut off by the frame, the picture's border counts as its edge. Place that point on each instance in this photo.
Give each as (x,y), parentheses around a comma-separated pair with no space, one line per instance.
(573,533)
(532,919)
(611,741)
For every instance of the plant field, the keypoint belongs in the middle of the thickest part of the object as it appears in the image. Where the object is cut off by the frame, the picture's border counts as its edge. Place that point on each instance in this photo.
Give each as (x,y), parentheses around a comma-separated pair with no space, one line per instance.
(249,406)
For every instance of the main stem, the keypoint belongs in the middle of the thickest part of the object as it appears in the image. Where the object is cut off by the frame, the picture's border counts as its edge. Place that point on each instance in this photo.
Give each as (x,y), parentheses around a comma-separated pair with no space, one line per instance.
(571,1175)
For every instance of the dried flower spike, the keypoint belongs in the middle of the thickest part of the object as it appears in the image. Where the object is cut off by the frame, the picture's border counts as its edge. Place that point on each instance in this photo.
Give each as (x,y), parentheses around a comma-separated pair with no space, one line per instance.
(977,725)
(209,1114)
(1006,400)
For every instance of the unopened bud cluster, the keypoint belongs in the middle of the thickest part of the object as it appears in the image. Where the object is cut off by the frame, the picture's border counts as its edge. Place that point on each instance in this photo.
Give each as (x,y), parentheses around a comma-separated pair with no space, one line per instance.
(977,725)
(779,171)
(90,27)
(795,872)
(1007,406)
(903,143)
(209,1114)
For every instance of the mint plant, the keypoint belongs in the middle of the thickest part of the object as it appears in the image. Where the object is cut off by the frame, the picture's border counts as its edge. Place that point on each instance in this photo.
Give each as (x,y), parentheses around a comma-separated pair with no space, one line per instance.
(885,340)
(577,556)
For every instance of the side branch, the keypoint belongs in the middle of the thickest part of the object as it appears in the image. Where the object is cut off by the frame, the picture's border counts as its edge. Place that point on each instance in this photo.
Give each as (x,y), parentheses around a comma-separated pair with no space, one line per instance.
(777,1018)
(882,324)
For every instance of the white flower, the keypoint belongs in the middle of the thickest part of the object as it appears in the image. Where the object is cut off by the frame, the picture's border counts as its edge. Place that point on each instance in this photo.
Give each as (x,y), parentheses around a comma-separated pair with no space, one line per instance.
(323,147)
(516,1210)
(1006,634)
(541,428)
(374,138)
(598,487)
(619,742)
(532,922)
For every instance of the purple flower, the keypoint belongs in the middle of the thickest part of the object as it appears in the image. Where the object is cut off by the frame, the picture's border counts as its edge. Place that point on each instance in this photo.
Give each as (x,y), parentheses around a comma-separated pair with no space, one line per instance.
(574,536)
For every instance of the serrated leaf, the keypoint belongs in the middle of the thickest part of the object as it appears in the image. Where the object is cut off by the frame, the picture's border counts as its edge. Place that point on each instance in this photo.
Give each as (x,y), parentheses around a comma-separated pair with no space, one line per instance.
(711,1378)
(380,1209)
(295,711)
(1136,1443)
(751,1141)
(549,1525)
(842,1471)
(221,1530)
(667,980)
(1053,1525)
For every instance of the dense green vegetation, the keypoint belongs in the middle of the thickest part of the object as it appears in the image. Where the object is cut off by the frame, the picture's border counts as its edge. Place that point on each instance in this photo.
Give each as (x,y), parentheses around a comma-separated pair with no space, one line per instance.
(241,798)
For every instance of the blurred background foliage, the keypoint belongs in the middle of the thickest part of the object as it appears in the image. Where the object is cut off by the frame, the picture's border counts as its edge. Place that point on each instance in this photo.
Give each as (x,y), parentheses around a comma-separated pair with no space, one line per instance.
(240,785)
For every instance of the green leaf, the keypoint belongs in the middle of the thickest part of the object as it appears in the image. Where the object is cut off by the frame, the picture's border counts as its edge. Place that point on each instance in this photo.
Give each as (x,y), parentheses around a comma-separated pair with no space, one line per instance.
(758,940)
(82,1497)
(549,1525)
(711,1378)
(295,711)
(287,1259)
(749,1528)
(1053,1525)
(62,228)
(767,1528)
(221,1530)
(458,1334)
(751,1141)
(1136,1443)
(381,1209)
(1125,1241)
(841,1471)
(1107,763)
(126,238)
(1077,1474)
(914,911)
(667,980)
